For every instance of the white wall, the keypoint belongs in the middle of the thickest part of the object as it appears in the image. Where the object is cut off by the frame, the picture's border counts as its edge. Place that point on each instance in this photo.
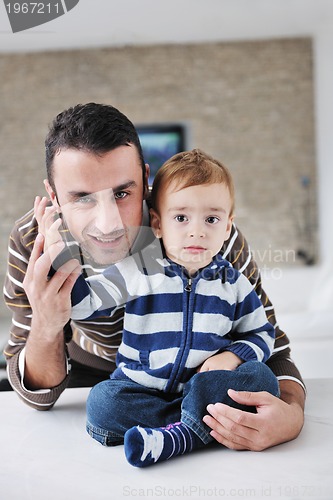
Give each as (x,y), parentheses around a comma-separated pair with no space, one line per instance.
(309,287)
(303,297)
(324,127)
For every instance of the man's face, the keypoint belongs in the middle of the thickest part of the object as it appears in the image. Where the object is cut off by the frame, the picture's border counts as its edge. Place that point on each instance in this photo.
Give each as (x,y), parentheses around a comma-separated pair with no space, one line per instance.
(100,199)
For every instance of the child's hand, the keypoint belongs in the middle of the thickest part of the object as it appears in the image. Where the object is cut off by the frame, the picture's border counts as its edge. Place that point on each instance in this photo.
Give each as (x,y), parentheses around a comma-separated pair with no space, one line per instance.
(223,361)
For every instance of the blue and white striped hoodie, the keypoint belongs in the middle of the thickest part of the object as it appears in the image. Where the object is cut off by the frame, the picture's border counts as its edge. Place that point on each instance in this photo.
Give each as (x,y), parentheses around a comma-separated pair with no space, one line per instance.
(173,323)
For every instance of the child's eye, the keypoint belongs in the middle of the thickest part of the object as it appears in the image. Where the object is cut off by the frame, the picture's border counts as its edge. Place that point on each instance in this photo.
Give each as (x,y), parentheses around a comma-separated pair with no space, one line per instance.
(181,218)
(212,220)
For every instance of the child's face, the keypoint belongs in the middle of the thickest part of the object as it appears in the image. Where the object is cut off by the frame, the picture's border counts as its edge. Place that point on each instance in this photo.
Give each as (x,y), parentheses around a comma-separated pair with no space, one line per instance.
(193,223)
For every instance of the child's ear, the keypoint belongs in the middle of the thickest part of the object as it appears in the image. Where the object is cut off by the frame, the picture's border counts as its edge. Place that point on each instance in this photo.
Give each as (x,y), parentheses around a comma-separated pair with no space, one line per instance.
(155,223)
(229,226)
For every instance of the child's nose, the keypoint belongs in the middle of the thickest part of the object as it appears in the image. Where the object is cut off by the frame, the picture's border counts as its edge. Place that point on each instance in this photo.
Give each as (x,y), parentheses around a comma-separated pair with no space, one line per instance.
(196,230)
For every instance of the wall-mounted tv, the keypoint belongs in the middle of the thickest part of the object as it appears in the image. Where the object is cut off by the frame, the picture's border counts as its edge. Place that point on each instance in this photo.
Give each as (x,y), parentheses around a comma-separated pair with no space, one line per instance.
(159,142)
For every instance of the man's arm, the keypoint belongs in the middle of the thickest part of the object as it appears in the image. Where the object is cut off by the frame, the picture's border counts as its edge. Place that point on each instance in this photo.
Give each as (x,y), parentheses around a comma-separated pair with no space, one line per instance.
(39,341)
(277,419)
(237,251)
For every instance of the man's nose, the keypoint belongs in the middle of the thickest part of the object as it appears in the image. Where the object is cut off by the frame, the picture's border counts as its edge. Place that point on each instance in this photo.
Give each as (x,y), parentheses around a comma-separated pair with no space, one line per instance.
(107,217)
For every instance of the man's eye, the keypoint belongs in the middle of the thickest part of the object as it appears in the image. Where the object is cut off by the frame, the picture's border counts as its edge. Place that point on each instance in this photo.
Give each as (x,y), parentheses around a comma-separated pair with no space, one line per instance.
(181,218)
(212,220)
(84,200)
(121,195)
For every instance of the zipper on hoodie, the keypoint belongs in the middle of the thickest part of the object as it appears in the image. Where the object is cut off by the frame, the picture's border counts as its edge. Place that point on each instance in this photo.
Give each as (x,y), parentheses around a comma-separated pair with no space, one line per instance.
(188,286)
(184,350)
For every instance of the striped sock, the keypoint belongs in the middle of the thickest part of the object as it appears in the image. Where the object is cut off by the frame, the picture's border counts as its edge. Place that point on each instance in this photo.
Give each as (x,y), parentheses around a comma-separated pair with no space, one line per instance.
(146,446)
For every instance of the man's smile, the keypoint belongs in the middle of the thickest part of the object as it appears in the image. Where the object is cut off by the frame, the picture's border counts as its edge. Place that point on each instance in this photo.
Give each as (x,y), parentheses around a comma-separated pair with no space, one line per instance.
(107,241)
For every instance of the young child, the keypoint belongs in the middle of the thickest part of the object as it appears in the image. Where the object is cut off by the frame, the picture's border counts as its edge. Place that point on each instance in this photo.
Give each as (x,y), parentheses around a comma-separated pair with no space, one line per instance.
(193,327)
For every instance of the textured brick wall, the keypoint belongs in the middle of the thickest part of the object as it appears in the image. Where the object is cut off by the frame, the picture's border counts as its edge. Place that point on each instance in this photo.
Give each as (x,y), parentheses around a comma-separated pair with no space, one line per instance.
(249,104)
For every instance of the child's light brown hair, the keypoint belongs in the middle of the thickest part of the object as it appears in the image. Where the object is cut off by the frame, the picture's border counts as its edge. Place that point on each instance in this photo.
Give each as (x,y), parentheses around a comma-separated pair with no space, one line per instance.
(191,168)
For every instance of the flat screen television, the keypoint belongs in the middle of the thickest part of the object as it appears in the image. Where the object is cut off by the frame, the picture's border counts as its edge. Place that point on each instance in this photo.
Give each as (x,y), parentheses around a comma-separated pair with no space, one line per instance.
(159,142)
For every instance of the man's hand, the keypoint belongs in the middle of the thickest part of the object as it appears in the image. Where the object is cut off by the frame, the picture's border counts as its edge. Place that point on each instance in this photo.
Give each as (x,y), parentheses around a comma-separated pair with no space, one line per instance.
(275,422)
(48,226)
(50,300)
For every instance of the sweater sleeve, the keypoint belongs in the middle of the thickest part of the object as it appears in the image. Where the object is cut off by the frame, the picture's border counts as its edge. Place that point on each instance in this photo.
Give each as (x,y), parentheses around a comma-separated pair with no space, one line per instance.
(252,334)
(237,251)
(99,295)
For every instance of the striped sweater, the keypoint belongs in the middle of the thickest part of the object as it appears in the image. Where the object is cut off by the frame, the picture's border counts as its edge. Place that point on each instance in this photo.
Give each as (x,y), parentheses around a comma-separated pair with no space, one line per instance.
(94,343)
(173,323)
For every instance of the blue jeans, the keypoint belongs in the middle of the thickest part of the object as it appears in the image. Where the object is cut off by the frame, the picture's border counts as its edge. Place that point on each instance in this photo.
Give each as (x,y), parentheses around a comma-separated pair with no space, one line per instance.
(114,406)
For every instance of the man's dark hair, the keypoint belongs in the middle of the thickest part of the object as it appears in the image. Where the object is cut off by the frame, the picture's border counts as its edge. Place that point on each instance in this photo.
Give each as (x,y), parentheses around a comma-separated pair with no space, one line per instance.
(91,127)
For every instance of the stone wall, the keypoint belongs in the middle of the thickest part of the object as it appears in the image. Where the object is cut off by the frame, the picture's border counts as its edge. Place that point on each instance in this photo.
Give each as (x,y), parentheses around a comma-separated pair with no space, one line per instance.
(250,104)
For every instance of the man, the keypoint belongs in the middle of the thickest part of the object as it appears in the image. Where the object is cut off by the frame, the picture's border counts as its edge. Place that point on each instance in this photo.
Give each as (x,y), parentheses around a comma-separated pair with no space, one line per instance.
(98,182)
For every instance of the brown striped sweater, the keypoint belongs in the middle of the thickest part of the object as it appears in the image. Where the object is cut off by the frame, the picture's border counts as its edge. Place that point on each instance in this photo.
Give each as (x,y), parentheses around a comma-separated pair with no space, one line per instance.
(94,343)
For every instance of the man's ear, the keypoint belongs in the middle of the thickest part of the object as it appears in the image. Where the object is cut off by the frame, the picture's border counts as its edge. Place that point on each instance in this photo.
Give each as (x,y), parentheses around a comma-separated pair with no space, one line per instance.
(155,223)
(51,193)
(146,182)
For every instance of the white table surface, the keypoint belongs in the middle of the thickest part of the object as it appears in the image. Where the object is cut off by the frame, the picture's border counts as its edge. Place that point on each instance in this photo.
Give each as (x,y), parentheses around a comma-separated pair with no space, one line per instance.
(48,455)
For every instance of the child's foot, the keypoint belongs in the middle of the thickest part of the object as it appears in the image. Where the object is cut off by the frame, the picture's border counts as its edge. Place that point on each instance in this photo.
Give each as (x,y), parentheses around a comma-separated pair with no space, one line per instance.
(145,446)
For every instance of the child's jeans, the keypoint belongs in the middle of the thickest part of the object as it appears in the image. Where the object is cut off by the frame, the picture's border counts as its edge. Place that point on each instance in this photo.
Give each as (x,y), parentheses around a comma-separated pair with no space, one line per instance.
(114,406)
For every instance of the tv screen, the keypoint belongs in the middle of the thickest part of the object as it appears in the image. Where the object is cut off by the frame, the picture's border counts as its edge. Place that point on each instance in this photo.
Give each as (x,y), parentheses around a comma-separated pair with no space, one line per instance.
(159,143)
